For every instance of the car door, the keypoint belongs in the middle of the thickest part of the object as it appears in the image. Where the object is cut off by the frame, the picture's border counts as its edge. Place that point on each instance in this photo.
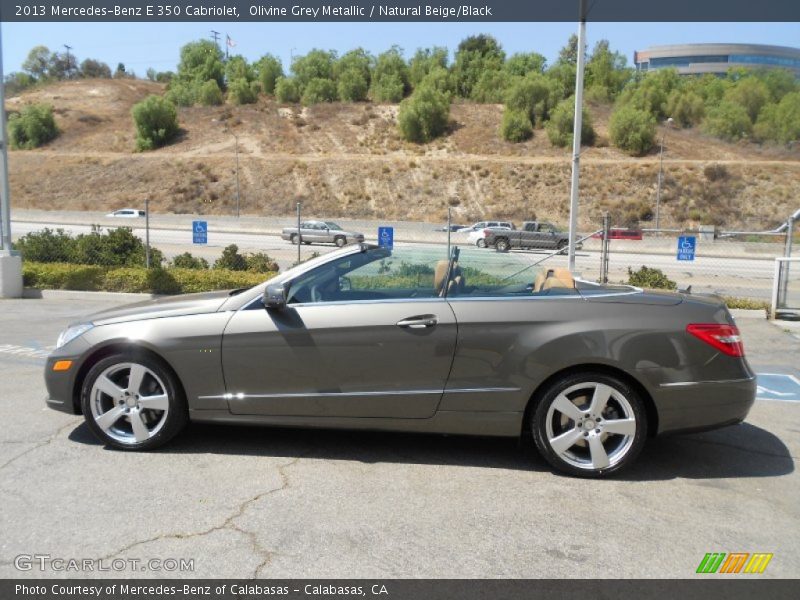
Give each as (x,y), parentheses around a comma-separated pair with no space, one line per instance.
(348,344)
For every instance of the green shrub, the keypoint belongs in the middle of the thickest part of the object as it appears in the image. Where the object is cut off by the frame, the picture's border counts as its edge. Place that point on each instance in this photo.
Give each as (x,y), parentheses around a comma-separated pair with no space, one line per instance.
(651,278)
(115,247)
(210,94)
(562,120)
(780,122)
(269,72)
(190,281)
(287,90)
(387,88)
(319,90)
(46,246)
(231,259)
(686,108)
(139,280)
(156,122)
(241,92)
(728,121)
(491,87)
(352,86)
(61,276)
(751,94)
(632,130)
(747,303)
(188,261)
(424,115)
(259,262)
(182,93)
(32,127)
(516,126)
(530,95)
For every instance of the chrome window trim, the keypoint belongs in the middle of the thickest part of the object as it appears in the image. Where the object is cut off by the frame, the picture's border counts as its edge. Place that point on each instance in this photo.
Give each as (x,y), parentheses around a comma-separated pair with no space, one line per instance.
(241,396)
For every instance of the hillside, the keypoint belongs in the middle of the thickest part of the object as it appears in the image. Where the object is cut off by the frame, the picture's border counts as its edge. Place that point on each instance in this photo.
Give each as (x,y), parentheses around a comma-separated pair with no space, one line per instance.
(348,160)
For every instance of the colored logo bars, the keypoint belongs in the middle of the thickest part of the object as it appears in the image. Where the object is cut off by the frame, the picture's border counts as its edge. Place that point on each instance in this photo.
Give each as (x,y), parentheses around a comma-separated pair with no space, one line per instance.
(735,562)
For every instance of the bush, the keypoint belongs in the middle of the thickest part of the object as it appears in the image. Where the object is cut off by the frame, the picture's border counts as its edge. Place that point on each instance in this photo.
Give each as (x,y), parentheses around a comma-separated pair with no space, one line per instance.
(210,94)
(651,278)
(686,108)
(46,246)
(188,261)
(182,93)
(425,115)
(632,130)
(241,92)
(156,122)
(61,276)
(287,90)
(780,122)
(516,126)
(269,72)
(116,247)
(751,94)
(259,262)
(728,121)
(352,86)
(562,120)
(387,88)
(138,280)
(32,127)
(530,95)
(319,90)
(231,259)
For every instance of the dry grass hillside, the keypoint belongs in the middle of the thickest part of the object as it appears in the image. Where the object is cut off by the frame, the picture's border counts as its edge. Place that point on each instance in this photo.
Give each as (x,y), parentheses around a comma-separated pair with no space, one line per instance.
(347,160)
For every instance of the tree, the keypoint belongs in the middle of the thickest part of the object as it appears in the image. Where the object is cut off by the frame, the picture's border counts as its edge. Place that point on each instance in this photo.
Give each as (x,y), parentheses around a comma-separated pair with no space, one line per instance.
(209,94)
(516,125)
(236,67)
(491,86)
(287,90)
(476,55)
(729,121)
(62,65)
(240,91)
(16,82)
(424,61)
(560,126)
(390,77)
(751,94)
(424,115)
(607,69)
(352,87)
(685,107)
(269,70)
(780,122)
(201,61)
(779,82)
(319,90)
(632,130)
(91,68)
(531,96)
(358,60)
(120,73)
(183,93)
(523,63)
(37,62)
(317,64)
(156,121)
(569,53)
(32,127)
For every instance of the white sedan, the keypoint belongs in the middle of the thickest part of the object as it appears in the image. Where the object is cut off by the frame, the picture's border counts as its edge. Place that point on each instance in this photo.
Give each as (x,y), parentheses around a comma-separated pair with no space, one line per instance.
(127,213)
(478,237)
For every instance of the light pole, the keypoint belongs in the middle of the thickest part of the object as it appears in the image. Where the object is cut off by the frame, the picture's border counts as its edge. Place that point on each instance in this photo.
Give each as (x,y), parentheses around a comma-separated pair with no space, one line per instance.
(236,144)
(576,137)
(660,176)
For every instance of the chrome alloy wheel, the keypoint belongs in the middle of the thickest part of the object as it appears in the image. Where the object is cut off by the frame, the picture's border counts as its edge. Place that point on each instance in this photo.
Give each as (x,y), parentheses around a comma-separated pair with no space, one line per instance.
(591,426)
(129,402)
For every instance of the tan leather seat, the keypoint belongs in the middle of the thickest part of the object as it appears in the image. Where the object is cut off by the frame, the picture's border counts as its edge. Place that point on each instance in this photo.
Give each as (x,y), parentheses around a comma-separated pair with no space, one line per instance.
(456,283)
(439,275)
(557,277)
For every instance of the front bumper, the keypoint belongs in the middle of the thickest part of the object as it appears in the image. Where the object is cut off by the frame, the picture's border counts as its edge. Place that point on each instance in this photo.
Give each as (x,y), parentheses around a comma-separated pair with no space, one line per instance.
(704,405)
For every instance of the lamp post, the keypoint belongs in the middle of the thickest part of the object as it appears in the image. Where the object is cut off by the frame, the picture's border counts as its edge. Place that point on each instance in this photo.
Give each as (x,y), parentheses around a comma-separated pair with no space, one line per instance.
(660,175)
(236,145)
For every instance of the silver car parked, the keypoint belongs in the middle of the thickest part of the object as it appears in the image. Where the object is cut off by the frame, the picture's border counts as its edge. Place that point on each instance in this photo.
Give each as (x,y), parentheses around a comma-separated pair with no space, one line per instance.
(321,232)
(407,339)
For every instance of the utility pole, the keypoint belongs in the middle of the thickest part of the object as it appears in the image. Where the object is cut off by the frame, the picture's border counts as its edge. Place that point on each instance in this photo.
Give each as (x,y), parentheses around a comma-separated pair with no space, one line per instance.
(660,179)
(299,235)
(236,143)
(69,62)
(215,35)
(576,137)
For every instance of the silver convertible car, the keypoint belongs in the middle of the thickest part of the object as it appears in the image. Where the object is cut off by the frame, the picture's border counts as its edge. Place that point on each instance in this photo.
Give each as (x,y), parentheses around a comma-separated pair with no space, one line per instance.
(409,339)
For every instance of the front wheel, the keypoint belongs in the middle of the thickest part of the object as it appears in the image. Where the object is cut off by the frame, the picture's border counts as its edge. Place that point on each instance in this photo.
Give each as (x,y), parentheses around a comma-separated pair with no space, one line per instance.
(481,243)
(562,244)
(589,424)
(502,245)
(293,239)
(133,402)
(340,241)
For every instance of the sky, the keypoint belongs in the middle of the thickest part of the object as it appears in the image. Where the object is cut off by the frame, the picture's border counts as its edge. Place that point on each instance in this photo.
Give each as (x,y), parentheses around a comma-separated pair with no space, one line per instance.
(143,45)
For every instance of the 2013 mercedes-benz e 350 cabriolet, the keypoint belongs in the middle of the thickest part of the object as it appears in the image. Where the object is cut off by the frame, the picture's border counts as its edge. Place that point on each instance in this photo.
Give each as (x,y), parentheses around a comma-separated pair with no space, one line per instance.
(409,339)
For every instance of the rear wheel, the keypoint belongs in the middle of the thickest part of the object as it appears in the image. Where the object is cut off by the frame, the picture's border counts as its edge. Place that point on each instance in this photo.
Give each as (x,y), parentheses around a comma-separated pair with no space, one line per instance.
(589,425)
(502,245)
(562,244)
(133,402)
(481,243)
(293,238)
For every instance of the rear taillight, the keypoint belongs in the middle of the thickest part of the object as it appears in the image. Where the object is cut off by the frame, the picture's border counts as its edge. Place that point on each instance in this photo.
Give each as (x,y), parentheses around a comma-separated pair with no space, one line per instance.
(486,232)
(724,338)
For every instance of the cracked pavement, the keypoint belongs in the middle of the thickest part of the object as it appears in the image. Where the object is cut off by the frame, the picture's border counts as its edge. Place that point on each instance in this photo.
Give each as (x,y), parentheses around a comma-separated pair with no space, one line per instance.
(257,502)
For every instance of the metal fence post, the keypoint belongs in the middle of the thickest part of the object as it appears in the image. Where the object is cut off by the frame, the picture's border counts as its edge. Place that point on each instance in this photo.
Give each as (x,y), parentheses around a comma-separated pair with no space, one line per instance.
(604,250)
(787,252)
(299,234)
(449,221)
(147,232)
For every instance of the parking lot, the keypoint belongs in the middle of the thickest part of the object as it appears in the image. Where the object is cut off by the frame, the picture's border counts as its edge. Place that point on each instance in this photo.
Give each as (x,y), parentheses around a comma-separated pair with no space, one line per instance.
(244,502)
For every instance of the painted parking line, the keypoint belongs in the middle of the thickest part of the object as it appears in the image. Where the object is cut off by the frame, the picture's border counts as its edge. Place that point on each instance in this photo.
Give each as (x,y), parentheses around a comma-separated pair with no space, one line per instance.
(778,386)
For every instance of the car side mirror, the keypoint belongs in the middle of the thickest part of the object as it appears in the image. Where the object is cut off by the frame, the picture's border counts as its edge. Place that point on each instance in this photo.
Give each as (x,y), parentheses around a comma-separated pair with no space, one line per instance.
(275,297)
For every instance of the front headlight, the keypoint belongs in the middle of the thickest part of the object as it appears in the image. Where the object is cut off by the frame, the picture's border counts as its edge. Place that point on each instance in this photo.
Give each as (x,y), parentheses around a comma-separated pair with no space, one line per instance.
(71,332)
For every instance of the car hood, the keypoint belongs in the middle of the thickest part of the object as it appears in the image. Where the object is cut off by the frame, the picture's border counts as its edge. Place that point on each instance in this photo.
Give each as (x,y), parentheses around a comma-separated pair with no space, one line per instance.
(172,306)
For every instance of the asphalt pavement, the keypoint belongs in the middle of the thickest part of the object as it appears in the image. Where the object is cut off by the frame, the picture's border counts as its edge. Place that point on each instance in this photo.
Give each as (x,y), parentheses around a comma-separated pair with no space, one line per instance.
(268,502)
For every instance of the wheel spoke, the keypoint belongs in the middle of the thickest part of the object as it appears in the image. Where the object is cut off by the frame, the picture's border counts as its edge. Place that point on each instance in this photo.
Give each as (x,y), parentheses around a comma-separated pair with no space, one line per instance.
(135,378)
(109,388)
(108,418)
(563,442)
(140,431)
(600,398)
(620,426)
(157,402)
(598,452)
(564,405)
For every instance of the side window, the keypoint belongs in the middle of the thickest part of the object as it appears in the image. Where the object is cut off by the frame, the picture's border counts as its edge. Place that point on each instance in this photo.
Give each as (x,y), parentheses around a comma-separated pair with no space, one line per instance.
(377,274)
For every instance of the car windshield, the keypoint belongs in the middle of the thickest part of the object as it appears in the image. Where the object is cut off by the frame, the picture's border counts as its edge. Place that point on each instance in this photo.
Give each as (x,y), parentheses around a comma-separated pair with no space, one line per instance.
(332,225)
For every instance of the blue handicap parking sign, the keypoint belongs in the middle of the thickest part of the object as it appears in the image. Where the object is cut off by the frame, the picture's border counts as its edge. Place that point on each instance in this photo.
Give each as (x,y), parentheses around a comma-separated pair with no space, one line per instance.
(686,247)
(777,386)
(386,237)
(199,232)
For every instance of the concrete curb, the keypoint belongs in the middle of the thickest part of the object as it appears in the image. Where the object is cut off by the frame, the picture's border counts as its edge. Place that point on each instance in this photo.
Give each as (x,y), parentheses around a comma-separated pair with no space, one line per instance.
(34,293)
(742,313)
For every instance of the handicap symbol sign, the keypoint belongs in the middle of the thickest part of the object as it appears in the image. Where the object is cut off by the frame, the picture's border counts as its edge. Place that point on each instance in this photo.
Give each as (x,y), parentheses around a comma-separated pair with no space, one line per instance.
(686,247)
(386,237)
(199,232)
(778,386)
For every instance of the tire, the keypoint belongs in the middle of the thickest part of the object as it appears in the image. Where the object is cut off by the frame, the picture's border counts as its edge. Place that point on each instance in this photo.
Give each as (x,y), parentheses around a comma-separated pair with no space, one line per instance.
(562,244)
(502,245)
(293,239)
(481,243)
(140,419)
(307,243)
(575,438)
(340,241)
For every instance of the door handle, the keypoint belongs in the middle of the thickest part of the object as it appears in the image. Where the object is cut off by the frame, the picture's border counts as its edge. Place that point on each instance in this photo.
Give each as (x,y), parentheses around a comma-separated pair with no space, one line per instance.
(420,322)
